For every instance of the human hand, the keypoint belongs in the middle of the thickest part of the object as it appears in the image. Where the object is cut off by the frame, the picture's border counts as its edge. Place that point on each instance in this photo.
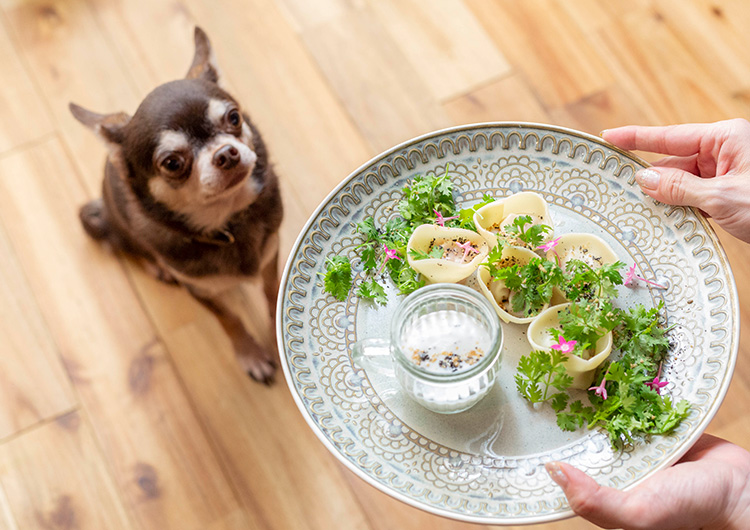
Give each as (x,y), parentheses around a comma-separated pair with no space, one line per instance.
(708,167)
(709,488)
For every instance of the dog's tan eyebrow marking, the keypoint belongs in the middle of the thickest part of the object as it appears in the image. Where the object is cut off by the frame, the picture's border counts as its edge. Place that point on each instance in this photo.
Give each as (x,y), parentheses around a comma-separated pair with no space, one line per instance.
(170,140)
(216,110)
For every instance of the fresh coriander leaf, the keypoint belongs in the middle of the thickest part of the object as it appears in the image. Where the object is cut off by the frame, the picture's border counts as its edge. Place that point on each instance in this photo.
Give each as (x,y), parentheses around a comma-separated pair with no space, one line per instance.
(466,215)
(536,373)
(671,416)
(561,380)
(580,280)
(575,417)
(518,224)
(634,410)
(368,250)
(496,253)
(586,322)
(396,232)
(510,274)
(531,285)
(557,359)
(367,228)
(526,387)
(370,289)
(338,277)
(425,195)
(567,422)
(641,338)
(559,401)
(368,255)
(610,272)
(533,236)
(592,283)
(435,253)
(494,259)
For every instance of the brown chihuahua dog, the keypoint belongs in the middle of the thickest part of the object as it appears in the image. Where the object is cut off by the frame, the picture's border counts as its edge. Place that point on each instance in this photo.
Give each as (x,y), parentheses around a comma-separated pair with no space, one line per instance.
(189,191)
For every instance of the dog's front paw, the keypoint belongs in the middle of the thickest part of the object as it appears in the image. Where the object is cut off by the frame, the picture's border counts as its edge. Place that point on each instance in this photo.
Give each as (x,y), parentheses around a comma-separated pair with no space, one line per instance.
(258,365)
(262,370)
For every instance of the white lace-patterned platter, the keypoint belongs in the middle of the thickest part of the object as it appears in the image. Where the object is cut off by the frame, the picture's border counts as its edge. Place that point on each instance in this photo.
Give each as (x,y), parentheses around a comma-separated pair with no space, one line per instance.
(486,465)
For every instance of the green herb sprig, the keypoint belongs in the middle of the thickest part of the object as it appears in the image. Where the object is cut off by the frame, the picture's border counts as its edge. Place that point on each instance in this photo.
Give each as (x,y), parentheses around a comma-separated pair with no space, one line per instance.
(585,281)
(384,250)
(627,403)
(426,195)
(337,279)
(533,235)
(632,408)
(532,284)
(542,377)
(466,215)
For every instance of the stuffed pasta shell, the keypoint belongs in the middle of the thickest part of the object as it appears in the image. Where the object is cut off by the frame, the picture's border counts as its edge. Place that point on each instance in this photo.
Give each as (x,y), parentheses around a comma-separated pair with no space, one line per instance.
(581,369)
(494,219)
(497,291)
(588,248)
(443,254)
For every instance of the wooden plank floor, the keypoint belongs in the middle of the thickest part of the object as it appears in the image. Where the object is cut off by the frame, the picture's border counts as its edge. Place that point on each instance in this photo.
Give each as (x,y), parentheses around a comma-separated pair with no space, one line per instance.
(120,403)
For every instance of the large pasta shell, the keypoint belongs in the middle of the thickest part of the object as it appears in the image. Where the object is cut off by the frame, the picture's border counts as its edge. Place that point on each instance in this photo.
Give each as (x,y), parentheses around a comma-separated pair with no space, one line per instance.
(448,269)
(488,221)
(491,219)
(588,248)
(581,370)
(495,290)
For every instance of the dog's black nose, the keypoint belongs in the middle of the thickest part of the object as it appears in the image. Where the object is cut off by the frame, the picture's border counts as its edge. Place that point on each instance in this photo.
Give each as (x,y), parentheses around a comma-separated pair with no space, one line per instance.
(226,157)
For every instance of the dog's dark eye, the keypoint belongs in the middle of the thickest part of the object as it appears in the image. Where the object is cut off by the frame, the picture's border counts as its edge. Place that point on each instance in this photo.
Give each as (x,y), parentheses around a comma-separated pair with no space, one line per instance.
(173,163)
(234,118)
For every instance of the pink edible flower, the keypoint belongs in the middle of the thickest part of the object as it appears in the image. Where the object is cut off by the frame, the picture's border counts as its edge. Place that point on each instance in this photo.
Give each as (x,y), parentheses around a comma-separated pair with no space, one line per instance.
(467,246)
(549,245)
(656,384)
(631,275)
(564,346)
(601,390)
(390,253)
(439,219)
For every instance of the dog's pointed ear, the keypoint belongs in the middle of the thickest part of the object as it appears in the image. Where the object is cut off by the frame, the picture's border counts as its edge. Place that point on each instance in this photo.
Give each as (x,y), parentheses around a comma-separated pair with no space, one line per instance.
(204,63)
(109,127)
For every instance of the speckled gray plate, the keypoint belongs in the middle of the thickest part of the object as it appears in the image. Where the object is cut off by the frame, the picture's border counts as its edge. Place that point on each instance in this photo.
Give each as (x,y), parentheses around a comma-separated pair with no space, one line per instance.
(486,465)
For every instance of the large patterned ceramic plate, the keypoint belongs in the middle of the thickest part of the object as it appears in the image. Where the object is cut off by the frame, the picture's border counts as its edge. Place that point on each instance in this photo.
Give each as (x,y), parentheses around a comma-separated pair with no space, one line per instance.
(487,465)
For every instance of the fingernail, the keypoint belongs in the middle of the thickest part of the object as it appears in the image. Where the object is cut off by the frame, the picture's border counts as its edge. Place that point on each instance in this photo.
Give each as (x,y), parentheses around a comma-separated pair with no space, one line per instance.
(556,473)
(603,132)
(648,178)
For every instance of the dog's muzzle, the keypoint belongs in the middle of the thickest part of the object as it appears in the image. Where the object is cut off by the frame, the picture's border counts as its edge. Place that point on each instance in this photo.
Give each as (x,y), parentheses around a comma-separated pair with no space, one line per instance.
(226,157)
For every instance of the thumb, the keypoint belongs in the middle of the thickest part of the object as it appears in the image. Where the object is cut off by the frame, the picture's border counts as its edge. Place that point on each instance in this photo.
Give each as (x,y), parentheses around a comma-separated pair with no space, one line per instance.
(673,186)
(606,507)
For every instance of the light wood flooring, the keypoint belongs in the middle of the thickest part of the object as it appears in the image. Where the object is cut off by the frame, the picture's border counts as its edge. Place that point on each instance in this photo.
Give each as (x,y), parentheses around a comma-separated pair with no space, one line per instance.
(121,406)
